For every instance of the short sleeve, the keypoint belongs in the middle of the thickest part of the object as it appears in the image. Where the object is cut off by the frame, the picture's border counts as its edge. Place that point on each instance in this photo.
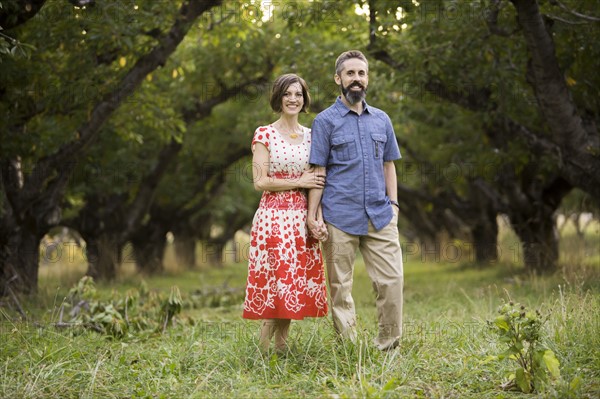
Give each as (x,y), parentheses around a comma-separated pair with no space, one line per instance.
(391,151)
(261,135)
(319,149)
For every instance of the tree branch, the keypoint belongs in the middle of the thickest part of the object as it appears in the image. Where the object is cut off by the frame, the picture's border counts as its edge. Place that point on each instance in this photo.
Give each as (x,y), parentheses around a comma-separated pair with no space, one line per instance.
(142,202)
(188,13)
(202,109)
(16,13)
(548,80)
(143,199)
(565,21)
(476,99)
(575,13)
(218,178)
(554,99)
(373,48)
(492,20)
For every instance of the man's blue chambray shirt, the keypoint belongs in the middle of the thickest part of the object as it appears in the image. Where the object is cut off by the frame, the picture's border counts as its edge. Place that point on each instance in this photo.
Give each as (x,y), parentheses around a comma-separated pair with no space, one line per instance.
(353,148)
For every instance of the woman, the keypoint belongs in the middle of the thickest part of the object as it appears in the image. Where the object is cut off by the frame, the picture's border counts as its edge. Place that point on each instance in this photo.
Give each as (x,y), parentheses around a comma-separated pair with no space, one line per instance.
(285,265)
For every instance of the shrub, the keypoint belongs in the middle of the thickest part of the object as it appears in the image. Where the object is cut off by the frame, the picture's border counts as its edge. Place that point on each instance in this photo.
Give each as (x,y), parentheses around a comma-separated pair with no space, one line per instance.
(135,311)
(521,331)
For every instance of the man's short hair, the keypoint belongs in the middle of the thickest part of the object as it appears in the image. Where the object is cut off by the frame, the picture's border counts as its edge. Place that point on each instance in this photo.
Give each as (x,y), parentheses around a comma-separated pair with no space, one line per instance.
(345,56)
(281,84)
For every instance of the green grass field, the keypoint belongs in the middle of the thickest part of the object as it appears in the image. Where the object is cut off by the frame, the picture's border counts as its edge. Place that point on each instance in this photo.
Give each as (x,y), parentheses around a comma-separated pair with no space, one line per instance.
(212,351)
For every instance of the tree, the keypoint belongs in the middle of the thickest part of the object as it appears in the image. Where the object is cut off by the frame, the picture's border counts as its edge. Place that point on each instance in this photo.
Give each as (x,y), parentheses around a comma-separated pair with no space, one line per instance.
(108,220)
(447,68)
(35,185)
(209,194)
(579,143)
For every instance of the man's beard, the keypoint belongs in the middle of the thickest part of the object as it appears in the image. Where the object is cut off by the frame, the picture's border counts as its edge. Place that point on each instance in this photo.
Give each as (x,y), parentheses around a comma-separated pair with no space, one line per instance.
(352,96)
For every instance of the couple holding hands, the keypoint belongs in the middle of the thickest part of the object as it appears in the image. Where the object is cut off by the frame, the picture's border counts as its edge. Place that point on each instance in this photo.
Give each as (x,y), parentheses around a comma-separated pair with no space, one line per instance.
(335,185)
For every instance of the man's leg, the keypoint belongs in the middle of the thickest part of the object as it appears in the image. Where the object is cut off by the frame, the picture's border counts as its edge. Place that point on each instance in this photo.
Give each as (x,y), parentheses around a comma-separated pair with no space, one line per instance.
(340,252)
(383,259)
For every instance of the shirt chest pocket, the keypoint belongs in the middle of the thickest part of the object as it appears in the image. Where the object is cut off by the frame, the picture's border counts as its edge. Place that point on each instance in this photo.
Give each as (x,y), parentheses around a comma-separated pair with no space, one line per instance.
(343,148)
(379,141)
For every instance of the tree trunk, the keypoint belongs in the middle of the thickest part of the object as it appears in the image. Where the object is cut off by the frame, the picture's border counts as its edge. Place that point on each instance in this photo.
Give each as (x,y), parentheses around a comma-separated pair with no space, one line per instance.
(484,228)
(485,239)
(532,218)
(149,255)
(215,255)
(99,223)
(23,226)
(214,252)
(185,251)
(23,258)
(539,238)
(103,256)
(149,243)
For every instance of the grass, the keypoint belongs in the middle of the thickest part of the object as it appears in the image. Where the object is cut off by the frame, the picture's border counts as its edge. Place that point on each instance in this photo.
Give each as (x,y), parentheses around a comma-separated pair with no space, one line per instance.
(212,352)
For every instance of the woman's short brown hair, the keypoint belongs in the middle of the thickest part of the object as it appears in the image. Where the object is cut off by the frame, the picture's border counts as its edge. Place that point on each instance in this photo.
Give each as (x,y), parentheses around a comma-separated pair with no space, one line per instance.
(281,84)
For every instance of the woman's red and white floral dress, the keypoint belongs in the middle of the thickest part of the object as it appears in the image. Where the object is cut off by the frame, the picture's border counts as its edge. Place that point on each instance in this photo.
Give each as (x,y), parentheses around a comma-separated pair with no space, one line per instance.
(285,264)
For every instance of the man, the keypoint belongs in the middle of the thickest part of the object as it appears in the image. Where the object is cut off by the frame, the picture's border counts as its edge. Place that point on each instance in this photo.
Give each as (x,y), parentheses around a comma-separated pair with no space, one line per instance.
(355,144)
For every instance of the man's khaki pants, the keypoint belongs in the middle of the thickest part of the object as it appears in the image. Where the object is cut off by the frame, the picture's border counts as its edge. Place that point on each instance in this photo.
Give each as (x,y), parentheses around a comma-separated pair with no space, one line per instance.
(383,259)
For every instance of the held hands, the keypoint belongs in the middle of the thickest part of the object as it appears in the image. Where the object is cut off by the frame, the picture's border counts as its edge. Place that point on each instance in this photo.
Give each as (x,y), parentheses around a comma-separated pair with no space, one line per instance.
(311,179)
(317,226)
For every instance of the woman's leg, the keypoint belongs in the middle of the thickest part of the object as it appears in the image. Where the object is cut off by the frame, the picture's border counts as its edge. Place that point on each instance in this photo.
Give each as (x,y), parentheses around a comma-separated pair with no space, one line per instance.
(281,333)
(267,329)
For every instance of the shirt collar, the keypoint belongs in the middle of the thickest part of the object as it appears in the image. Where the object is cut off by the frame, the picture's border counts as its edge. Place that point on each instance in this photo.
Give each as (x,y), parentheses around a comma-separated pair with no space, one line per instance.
(343,109)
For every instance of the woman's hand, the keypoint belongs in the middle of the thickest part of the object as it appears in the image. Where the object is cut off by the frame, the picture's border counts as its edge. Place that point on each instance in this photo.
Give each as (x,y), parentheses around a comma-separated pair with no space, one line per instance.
(320,232)
(317,226)
(311,179)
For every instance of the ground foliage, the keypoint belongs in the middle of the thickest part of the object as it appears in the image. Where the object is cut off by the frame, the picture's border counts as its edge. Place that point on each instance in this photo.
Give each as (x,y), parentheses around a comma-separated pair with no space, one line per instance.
(211,351)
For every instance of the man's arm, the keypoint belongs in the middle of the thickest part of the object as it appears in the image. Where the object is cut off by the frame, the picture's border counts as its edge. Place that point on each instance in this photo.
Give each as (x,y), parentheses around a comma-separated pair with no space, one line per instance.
(391,181)
(315,222)
(319,158)
(391,153)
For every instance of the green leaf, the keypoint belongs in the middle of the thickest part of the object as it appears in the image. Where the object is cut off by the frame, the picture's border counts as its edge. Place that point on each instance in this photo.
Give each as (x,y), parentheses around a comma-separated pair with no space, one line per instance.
(391,384)
(552,363)
(523,380)
(518,346)
(511,351)
(489,358)
(501,323)
(575,384)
